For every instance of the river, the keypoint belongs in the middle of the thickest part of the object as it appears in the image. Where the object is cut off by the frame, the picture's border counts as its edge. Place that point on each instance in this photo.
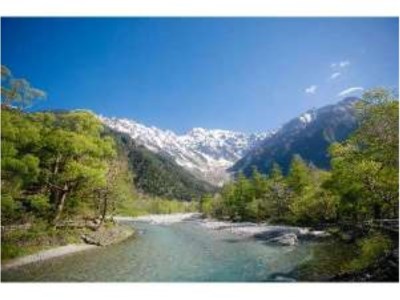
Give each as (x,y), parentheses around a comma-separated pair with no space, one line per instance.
(178,252)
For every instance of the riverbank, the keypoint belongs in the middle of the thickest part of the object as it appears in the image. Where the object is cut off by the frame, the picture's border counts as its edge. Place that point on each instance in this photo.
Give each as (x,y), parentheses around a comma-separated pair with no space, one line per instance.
(83,240)
(161,219)
(176,252)
(187,247)
(45,255)
(279,234)
(384,269)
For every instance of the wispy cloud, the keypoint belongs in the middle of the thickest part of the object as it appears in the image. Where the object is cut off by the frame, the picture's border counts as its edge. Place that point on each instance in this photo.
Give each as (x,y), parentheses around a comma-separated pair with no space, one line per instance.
(335,75)
(350,91)
(311,89)
(340,64)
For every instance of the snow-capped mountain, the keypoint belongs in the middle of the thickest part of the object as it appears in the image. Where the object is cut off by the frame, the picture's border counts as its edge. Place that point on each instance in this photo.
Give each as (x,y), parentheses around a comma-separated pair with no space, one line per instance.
(308,135)
(206,153)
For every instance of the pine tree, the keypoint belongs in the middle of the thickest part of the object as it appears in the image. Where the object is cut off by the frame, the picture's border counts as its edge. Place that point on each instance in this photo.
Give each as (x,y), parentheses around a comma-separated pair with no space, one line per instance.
(299,175)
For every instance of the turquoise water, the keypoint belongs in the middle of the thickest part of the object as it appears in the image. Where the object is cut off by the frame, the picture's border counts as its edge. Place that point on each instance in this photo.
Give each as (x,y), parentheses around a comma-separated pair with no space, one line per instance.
(180,252)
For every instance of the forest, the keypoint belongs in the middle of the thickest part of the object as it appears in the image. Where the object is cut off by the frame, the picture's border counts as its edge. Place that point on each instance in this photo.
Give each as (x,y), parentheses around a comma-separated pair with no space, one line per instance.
(66,166)
(358,194)
(361,186)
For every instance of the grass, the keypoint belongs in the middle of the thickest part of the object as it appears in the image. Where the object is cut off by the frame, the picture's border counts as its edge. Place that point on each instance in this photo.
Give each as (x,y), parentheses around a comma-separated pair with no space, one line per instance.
(39,237)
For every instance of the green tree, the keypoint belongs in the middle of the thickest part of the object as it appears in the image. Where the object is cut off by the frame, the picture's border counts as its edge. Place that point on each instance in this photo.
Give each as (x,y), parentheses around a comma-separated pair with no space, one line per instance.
(206,204)
(242,196)
(75,157)
(299,176)
(314,206)
(17,91)
(259,184)
(20,140)
(365,167)
(279,195)
(257,208)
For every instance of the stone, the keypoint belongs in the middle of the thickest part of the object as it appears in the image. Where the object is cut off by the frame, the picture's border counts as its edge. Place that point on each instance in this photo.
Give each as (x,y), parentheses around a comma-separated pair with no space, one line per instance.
(287,239)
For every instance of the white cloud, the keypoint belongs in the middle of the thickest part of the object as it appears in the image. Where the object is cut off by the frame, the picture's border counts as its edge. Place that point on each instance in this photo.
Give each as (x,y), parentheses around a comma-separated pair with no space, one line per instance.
(340,64)
(343,64)
(311,89)
(350,91)
(335,75)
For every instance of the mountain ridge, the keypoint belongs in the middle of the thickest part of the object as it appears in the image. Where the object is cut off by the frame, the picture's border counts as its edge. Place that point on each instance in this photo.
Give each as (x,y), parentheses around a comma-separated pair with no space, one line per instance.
(308,135)
(206,153)
(215,155)
(156,174)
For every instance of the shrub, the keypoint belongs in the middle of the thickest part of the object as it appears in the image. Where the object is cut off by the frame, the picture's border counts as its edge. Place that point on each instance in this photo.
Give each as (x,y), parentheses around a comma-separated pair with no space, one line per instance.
(371,248)
(39,204)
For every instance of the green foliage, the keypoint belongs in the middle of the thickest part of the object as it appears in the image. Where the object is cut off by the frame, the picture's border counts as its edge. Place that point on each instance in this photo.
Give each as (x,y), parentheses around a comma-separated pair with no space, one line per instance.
(299,175)
(143,205)
(40,204)
(371,248)
(50,160)
(39,236)
(279,195)
(206,204)
(365,167)
(362,185)
(66,165)
(158,175)
(257,198)
(9,208)
(17,91)
(314,206)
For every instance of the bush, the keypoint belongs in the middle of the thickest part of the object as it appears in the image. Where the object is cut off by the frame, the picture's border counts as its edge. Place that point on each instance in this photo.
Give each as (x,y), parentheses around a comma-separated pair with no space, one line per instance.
(206,205)
(8,205)
(40,236)
(40,204)
(314,206)
(371,248)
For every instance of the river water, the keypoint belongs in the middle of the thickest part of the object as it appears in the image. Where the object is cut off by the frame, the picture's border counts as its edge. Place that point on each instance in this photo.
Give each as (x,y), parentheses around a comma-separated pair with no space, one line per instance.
(179,252)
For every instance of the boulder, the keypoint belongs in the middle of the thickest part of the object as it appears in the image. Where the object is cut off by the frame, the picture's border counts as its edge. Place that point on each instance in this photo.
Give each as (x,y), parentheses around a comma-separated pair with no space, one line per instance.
(287,239)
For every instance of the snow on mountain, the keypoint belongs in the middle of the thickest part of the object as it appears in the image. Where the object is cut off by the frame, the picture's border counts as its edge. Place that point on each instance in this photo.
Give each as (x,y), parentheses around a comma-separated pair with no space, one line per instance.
(308,135)
(307,117)
(206,153)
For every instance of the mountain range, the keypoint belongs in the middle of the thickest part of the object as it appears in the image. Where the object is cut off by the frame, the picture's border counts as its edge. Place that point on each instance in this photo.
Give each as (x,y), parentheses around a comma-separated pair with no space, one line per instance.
(205,153)
(308,135)
(156,174)
(213,155)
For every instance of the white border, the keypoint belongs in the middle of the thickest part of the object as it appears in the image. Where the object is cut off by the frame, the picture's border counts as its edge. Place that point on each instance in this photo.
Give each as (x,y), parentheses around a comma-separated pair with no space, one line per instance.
(199,8)
(199,291)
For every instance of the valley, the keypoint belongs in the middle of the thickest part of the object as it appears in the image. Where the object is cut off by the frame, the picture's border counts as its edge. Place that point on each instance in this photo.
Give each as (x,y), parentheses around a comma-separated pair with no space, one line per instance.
(309,201)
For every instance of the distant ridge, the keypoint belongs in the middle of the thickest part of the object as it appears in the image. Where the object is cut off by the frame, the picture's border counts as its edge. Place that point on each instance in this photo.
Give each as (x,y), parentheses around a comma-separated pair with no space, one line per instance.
(206,153)
(308,135)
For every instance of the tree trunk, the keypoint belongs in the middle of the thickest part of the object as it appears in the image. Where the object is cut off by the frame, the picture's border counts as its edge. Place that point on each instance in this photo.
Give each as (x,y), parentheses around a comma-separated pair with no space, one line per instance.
(60,205)
(57,164)
(377,211)
(103,215)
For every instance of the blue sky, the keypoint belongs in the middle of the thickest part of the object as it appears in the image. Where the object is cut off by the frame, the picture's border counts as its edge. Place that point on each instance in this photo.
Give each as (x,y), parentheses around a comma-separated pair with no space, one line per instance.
(246,74)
